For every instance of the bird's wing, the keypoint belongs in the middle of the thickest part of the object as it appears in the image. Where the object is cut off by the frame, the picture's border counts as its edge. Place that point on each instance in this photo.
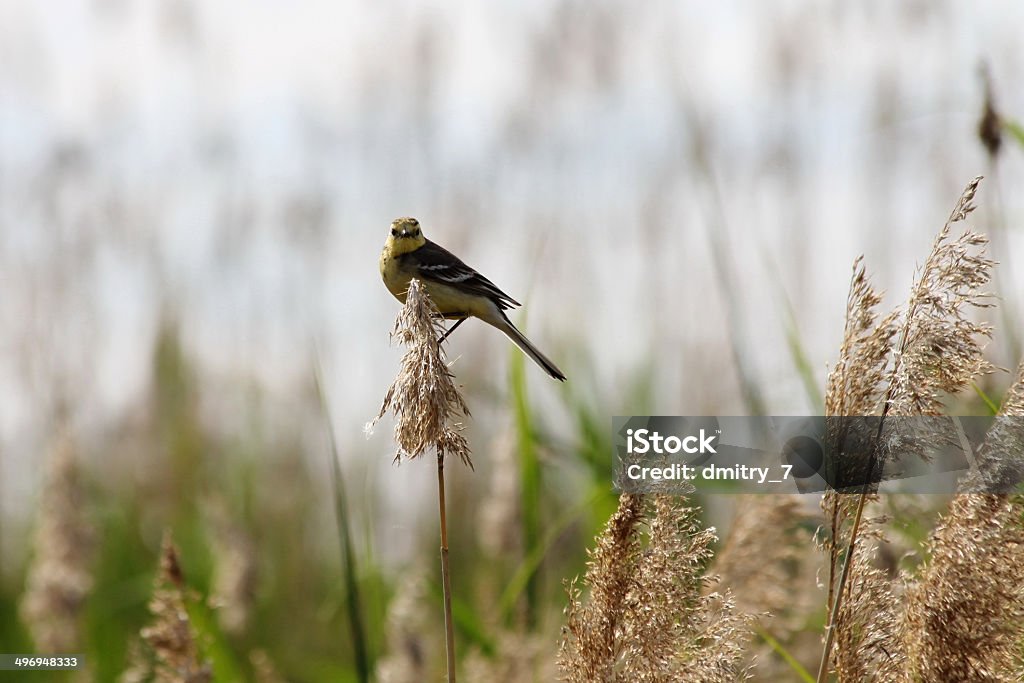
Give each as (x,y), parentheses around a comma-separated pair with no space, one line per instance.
(434,262)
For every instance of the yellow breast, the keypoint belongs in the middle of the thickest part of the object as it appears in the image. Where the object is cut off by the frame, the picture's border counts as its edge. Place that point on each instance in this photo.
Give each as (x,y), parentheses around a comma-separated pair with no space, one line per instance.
(396,279)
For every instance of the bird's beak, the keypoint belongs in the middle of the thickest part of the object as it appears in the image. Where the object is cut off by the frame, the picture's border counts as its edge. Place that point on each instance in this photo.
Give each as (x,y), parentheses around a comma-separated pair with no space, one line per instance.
(404,233)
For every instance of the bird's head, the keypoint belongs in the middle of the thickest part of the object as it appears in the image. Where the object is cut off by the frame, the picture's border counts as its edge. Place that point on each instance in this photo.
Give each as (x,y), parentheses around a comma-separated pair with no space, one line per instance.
(405,235)
(405,228)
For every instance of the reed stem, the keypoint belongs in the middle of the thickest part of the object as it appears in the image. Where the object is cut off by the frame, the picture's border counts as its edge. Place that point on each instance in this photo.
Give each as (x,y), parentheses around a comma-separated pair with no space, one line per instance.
(446,576)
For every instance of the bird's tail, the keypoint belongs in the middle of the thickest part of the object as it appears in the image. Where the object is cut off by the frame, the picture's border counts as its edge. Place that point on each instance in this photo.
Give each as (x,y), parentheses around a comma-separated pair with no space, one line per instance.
(520,340)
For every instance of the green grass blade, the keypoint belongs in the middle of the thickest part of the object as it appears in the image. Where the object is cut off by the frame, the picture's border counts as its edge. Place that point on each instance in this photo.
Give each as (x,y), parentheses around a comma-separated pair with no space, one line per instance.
(348,559)
(1015,129)
(528,567)
(993,409)
(470,625)
(226,667)
(797,350)
(796,666)
(529,477)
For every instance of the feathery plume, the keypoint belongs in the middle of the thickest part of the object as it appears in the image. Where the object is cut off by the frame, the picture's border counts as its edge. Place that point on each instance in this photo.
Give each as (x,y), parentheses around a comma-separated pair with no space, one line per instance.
(762,554)
(854,383)
(674,631)
(648,617)
(856,386)
(423,397)
(939,349)
(499,527)
(59,578)
(424,400)
(590,647)
(964,619)
(866,646)
(170,635)
(234,570)
(408,624)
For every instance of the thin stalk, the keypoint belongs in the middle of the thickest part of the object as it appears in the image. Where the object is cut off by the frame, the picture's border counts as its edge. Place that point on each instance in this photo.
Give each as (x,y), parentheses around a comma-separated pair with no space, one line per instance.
(830,629)
(834,614)
(832,557)
(446,575)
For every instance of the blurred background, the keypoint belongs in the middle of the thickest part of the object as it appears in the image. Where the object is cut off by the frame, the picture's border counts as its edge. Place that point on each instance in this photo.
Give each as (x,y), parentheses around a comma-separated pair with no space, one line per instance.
(193,196)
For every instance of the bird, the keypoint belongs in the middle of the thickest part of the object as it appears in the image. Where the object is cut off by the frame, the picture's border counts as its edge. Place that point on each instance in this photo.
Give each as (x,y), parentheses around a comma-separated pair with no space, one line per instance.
(458,291)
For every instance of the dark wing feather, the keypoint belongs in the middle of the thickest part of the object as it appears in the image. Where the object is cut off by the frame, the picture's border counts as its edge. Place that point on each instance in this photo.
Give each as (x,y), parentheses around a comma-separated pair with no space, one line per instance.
(434,262)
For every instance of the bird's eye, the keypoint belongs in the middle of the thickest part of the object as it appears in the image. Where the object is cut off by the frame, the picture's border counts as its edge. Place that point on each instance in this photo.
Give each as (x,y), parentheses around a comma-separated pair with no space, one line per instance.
(394,233)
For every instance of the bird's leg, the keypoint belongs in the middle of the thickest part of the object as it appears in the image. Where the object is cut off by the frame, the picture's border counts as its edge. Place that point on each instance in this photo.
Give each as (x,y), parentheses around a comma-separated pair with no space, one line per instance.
(451,329)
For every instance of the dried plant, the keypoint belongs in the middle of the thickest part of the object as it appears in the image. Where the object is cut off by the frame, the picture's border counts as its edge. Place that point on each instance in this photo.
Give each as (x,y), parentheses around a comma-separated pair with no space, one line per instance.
(1000,466)
(425,400)
(938,352)
(853,384)
(964,618)
(500,533)
(762,554)
(866,625)
(408,624)
(423,397)
(234,570)
(59,578)
(170,635)
(647,617)
(519,658)
(940,348)
(856,386)
(590,649)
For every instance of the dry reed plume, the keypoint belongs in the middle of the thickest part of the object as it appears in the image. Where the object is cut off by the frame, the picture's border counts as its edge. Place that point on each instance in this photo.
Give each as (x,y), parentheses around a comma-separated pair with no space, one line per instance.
(959,618)
(940,348)
(425,401)
(763,553)
(761,561)
(648,617)
(234,570)
(854,383)
(856,387)
(964,619)
(408,645)
(423,398)
(499,532)
(175,652)
(59,579)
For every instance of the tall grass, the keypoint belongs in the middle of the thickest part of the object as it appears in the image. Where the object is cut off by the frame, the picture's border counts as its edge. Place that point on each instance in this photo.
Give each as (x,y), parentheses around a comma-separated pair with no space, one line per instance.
(342,516)
(960,618)
(662,595)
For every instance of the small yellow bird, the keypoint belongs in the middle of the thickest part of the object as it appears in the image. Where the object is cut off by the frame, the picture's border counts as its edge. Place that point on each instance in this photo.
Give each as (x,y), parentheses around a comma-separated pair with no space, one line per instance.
(458,291)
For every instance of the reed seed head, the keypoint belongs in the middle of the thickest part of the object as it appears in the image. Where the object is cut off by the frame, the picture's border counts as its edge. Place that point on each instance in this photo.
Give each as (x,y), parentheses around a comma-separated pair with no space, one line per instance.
(424,398)
(170,635)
